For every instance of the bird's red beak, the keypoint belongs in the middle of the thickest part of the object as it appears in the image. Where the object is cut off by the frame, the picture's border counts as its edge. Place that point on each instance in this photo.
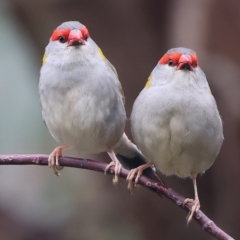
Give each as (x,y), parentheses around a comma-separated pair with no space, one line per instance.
(185,62)
(75,38)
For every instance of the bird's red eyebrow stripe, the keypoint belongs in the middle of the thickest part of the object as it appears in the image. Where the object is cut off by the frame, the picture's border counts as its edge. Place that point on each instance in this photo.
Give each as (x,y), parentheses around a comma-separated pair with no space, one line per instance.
(167,56)
(175,57)
(60,32)
(194,59)
(85,32)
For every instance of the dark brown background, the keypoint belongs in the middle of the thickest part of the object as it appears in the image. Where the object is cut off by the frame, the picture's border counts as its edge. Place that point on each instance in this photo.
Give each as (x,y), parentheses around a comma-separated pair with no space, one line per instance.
(34,204)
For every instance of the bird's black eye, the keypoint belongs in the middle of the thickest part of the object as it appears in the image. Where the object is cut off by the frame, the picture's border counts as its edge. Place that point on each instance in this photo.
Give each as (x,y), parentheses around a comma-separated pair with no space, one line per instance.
(170,62)
(61,39)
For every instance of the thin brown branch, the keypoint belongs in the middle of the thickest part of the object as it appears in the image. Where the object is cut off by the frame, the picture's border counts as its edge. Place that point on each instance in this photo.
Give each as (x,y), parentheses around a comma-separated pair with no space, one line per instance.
(38,159)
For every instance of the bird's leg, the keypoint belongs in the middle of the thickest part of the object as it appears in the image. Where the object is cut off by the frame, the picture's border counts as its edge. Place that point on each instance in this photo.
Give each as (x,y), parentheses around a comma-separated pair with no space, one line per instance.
(195,203)
(138,173)
(53,159)
(117,166)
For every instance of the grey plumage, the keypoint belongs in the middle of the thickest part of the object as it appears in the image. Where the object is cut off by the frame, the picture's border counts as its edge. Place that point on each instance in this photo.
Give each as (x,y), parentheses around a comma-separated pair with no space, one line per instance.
(81,97)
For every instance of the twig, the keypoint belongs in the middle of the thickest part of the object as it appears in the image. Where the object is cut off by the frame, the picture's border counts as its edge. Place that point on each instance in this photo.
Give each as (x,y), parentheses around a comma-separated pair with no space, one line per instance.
(161,190)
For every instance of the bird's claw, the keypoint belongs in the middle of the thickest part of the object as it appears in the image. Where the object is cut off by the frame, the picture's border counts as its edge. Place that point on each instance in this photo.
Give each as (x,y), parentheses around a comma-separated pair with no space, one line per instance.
(137,173)
(117,170)
(53,159)
(195,208)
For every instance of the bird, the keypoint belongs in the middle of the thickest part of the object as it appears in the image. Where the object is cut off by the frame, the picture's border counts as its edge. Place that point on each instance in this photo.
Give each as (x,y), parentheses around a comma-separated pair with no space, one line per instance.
(175,121)
(82,100)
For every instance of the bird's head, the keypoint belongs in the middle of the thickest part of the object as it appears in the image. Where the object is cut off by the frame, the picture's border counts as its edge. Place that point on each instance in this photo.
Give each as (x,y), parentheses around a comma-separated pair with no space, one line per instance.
(179,65)
(69,43)
(70,34)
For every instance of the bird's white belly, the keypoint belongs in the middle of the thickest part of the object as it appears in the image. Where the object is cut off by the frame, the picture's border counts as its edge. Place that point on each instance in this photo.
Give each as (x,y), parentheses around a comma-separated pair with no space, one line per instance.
(180,137)
(180,151)
(83,125)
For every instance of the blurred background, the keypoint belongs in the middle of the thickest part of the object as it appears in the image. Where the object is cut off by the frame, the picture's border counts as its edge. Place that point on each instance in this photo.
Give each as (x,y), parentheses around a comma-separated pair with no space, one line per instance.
(80,204)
